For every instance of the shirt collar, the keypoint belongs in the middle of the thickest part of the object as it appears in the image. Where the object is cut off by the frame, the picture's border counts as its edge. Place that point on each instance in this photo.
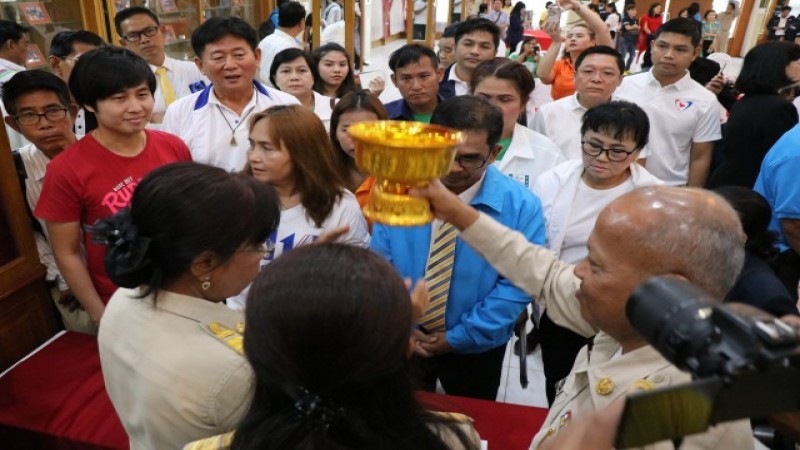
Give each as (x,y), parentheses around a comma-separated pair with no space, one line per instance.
(575,105)
(454,76)
(208,93)
(36,171)
(169,64)
(489,193)
(11,65)
(678,85)
(194,308)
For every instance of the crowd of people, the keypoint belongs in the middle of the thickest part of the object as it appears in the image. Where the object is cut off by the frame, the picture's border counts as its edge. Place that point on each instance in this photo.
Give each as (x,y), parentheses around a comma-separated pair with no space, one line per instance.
(205,219)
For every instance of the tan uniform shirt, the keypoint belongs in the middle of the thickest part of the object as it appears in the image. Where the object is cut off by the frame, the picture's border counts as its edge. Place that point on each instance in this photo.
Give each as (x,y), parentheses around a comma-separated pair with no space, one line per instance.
(169,378)
(538,272)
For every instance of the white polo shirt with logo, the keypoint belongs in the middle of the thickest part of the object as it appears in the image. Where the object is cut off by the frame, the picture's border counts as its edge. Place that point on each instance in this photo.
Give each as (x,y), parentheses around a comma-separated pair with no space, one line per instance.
(680,114)
(205,124)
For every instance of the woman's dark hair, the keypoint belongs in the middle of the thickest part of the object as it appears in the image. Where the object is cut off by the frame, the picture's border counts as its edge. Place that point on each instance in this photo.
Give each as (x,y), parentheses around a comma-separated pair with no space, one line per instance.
(328,328)
(755,214)
(355,101)
(482,8)
(287,56)
(705,16)
(693,9)
(179,211)
(349,82)
(517,10)
(314,166)
(764,68)
(505,69)
(652,10)
(620,120)
(121,69)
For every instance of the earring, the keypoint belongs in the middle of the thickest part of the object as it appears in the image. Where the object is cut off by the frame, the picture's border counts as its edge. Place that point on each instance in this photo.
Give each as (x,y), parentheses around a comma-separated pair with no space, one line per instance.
(206,284)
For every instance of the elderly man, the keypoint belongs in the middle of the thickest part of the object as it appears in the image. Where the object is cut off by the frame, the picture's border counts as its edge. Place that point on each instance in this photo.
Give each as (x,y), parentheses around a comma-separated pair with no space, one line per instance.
(688,233)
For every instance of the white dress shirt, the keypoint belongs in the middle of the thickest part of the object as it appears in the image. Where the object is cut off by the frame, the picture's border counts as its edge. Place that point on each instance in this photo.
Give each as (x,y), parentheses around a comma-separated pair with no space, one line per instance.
(680,114)
(271,46)
(182,75)
(462,87)
(528,155)
(206,125)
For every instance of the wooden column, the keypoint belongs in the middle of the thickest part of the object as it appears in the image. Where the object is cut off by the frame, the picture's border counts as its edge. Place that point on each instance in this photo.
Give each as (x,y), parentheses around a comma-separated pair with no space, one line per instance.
(736,41)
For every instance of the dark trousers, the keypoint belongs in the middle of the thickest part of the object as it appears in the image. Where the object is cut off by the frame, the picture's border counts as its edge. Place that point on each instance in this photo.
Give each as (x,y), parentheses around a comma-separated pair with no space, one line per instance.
(468,375)
(647,60)
(706,46)
(788,270)
(560,346)
(627,47)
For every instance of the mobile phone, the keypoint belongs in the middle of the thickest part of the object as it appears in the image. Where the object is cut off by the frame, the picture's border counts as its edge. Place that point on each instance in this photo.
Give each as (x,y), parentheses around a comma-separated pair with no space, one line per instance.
(553,16)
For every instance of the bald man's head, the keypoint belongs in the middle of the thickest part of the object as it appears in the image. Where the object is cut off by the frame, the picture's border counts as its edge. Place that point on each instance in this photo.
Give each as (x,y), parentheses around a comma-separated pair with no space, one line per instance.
(690,232)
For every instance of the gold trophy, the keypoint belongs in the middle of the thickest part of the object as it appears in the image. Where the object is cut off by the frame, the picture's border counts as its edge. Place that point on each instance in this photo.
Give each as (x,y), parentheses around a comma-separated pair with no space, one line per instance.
(402,155)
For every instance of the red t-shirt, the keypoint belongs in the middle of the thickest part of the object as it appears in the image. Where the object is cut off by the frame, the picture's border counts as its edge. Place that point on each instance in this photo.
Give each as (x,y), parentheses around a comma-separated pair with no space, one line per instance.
(87,182)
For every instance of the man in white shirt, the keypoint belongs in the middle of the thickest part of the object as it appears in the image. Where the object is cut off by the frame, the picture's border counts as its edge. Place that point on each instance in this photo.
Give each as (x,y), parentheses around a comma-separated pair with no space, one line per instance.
(291,22)
(65,50)
(476,41)
(14,41)
(141,32)
(40,108)
(499,17)
(684,115)
(213,122)
(598,73)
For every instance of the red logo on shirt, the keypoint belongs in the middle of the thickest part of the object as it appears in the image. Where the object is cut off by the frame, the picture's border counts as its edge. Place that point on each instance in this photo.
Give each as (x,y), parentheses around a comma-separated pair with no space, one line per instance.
(681,106)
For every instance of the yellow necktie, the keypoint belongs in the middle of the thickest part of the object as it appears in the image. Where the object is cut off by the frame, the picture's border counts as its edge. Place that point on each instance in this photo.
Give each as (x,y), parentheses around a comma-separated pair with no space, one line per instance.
(437,276)
(166,86)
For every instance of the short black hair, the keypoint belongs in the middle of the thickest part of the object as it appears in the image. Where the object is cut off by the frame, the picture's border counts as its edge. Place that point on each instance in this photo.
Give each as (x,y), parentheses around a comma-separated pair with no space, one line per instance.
(62,44)
(764,67)
(620,120)
(121,68)
(450,31)
(601,50)
(289,55)
(411,53)
(470,26)
(786,8)
(630,6)
(11,31)
(291,14)
(682,25)
(217,28)
(127,13)
(505,69)
(470,113)
(32,80)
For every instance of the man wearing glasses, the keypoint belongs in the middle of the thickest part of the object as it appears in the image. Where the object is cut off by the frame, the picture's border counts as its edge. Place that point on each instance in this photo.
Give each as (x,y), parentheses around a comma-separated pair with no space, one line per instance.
(40,108)
(461,339)
(598,73)
(65,50)
(142,33)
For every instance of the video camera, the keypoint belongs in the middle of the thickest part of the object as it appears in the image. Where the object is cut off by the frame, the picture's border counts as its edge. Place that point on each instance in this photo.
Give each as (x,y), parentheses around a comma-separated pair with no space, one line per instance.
(746,363)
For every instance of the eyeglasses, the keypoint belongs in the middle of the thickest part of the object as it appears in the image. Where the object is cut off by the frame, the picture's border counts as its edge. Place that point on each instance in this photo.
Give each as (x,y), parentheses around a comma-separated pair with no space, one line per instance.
(605,75)
(136,36)
(262,248)
(71,59)
(613,154)
(471,161)
(32,118)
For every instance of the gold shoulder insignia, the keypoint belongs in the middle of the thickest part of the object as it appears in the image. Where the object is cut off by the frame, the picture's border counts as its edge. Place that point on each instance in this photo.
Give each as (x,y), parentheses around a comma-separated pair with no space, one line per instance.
(231,338)
(218,442)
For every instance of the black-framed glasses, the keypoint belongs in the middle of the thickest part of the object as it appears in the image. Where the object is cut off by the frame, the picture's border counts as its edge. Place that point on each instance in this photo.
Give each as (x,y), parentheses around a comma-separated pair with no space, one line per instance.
(136,36)
(32,118)
(471,161)
(613,154)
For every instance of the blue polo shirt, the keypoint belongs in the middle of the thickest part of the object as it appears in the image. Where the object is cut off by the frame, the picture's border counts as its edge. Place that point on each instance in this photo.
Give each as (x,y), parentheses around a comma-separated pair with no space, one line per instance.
(482,306)
(779,183)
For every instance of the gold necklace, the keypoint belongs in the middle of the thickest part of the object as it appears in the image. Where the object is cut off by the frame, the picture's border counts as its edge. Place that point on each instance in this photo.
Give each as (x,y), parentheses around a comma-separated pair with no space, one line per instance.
(233,142)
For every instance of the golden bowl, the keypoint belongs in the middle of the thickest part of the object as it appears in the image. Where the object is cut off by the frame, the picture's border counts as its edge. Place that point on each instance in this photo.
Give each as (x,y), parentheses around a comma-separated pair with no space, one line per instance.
(407,152)
(402,155)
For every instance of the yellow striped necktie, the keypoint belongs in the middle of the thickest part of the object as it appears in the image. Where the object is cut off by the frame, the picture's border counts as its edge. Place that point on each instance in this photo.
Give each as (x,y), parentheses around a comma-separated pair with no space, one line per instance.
(166,86)
(438,273)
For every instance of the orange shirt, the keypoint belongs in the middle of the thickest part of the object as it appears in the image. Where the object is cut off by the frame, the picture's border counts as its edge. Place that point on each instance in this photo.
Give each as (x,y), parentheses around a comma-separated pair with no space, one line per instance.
(563,79)
(362,195)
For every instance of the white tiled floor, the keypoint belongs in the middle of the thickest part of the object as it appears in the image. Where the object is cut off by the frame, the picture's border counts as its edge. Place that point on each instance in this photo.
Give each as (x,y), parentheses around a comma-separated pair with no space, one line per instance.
(510,390)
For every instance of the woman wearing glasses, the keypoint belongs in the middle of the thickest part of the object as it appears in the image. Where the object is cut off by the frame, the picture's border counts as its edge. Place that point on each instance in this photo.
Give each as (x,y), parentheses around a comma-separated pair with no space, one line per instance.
(574,193)
(525,154)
